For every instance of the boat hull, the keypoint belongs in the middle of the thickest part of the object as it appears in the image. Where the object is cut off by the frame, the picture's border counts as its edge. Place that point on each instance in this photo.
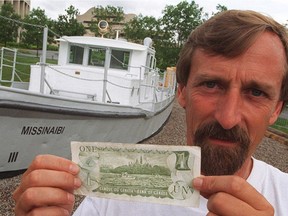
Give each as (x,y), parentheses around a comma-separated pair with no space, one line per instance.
(27,132)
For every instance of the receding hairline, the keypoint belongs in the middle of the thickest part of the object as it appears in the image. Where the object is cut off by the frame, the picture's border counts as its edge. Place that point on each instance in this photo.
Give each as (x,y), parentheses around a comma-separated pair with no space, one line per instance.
(253,25)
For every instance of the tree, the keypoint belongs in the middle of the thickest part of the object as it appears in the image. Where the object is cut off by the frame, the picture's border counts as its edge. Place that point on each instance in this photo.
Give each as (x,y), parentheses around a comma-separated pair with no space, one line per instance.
(9,28)
(142,26)
(68,25)
(33,33)
(113,15)
(220,8)
(147,26)
(178,21)
(169,32)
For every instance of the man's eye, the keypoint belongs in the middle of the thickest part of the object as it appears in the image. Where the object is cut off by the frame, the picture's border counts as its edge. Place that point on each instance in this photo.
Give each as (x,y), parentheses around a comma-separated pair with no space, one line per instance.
(256,92)
(210,84)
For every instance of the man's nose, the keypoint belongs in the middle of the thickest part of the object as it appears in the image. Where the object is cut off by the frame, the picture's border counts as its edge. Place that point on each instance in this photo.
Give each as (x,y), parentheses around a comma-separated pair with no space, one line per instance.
(229,109)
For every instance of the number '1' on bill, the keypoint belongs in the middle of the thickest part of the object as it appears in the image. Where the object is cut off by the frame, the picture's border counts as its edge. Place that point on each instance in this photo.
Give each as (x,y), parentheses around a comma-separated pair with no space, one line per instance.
(138,172)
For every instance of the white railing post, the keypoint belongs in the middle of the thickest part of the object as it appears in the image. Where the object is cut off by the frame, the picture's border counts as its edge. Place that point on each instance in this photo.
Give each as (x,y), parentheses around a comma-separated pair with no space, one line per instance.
(140,77)
(43,59)
(106,68)
(14,66)
(2,58)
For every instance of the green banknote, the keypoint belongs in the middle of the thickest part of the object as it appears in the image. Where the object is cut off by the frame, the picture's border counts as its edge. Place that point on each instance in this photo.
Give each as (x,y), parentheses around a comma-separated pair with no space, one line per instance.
(138,172)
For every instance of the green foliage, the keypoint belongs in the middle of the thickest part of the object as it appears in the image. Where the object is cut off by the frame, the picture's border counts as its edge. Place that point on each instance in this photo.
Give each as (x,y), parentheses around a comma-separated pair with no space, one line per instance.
(33,34)
(178,21)
(143,26)
(9,28)
(167,54)
(113,15)
(220,8)
(68,25)
(169,32)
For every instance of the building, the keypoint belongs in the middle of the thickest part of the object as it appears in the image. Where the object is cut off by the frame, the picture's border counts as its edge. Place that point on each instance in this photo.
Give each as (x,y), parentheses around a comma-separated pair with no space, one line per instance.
(87,17)
(21,7)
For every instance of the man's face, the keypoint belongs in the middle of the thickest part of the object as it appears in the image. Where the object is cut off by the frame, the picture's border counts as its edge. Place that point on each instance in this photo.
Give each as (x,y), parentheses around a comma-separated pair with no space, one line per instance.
(230,102)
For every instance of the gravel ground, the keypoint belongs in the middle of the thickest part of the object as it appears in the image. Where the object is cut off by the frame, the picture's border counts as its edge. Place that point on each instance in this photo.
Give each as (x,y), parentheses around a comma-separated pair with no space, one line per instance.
(173,133)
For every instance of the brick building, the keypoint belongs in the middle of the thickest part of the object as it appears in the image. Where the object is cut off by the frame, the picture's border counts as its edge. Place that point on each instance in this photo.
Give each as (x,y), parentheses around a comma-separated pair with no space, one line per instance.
(21,7)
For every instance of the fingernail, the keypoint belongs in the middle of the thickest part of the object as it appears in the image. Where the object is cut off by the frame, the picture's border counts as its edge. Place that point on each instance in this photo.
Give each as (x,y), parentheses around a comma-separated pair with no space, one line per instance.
(74,168)
(77,182)
(65,212)
(71,198)
(197,183)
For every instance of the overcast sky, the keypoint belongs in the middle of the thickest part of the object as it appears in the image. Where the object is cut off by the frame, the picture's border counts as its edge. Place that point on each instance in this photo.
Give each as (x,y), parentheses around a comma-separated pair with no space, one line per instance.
(278,9)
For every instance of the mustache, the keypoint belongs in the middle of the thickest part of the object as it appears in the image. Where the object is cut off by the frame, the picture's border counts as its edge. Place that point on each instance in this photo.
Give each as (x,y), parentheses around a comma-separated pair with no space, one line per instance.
(216,131)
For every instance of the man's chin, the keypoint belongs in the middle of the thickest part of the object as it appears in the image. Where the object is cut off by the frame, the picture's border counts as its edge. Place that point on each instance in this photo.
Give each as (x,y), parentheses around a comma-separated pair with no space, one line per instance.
(218,160)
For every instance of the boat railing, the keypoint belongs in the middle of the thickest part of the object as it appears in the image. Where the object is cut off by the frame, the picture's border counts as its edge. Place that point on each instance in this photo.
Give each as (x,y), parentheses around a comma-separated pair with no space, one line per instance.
(154,93)
(89,96)
(160,86)
(151,89)
(9,74)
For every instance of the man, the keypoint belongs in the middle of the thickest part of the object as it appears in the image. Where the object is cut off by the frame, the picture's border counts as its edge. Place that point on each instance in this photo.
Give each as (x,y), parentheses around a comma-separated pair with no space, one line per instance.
(232,76)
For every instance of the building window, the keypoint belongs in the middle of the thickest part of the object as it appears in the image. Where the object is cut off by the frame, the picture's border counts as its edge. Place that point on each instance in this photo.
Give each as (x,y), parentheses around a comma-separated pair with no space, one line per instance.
(97,57)
(76,54)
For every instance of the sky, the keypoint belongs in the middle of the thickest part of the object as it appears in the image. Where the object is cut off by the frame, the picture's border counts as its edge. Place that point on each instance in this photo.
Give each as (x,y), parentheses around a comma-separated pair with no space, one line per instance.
(278,9)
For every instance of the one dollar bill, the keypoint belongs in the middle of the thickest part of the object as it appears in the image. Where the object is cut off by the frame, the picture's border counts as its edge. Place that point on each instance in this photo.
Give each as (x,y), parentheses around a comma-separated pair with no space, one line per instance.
(138,172)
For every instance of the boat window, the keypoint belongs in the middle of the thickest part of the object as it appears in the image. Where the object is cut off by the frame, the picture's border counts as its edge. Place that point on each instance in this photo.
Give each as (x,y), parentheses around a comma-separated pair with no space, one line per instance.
(152,62)
(120,59)
(76,54)
(97,57)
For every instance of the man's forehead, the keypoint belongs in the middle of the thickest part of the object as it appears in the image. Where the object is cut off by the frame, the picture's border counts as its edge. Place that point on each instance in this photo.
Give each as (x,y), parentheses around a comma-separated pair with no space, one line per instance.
(264,40)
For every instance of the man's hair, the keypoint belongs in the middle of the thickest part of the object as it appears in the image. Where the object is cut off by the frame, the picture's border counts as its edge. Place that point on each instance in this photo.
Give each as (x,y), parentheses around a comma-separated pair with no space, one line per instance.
(230,34)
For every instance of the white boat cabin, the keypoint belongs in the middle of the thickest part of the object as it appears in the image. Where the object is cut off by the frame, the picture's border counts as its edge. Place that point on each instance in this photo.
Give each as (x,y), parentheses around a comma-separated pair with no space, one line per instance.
(103,70)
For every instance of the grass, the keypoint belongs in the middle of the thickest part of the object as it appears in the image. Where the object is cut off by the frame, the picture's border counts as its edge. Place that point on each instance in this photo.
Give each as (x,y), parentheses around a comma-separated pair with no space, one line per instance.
(23,63)
(281,124)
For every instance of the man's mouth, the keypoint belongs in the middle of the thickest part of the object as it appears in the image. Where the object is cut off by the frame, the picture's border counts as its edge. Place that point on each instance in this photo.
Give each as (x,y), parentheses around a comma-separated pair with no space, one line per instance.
(222,142)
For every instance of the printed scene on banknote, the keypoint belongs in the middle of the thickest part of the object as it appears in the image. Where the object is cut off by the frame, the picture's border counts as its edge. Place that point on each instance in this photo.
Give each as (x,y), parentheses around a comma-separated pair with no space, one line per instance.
(138,172)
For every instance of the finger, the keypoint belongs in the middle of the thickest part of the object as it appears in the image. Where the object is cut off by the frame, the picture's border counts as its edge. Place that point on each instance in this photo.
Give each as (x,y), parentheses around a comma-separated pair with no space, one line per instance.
(51,178)
(225,204)
(52,162)
(233,185)
(48,211)
(211,214)
(48,178)
(33,198)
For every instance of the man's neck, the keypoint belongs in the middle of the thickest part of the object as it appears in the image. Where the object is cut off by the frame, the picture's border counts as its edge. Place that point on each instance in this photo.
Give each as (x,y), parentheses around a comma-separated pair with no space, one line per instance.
(246,169)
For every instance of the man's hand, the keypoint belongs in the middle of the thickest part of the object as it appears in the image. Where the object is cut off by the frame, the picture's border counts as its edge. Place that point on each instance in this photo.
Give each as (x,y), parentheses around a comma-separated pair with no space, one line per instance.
(47,187)
(232,195)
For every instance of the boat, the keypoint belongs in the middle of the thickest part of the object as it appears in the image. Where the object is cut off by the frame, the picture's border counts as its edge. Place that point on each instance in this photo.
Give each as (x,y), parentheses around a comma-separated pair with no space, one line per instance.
(101,89)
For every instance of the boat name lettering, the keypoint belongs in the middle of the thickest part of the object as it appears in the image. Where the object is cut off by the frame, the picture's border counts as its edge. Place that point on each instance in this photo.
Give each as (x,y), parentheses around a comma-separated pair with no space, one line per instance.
(29,130)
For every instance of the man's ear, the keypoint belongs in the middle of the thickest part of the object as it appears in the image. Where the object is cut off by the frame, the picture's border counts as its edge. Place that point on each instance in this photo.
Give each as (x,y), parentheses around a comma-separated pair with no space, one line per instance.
(181,95)
(276,112)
